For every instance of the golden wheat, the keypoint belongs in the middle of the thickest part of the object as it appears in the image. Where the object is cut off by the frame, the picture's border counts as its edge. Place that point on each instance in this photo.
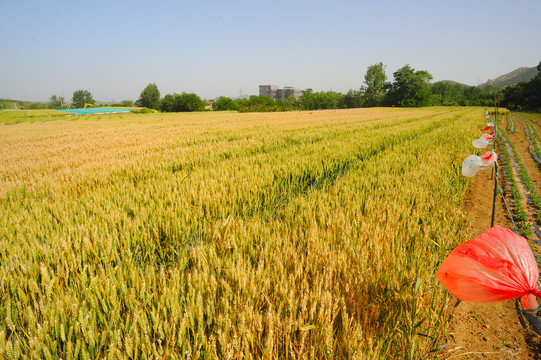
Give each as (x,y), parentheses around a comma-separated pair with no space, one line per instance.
(287,235)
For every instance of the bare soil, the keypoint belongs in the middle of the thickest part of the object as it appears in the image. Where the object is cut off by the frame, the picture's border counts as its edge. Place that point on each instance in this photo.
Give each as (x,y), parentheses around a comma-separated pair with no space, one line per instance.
(493,330)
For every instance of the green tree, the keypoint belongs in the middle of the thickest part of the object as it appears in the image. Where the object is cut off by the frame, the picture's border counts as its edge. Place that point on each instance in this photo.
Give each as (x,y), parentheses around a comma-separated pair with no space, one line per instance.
(81,97)
(292,101)
(190,102)
(56,102)
(307,99)
(326,100)
(261,100)
(478,96)
(310,100)
(513,96)
(224,103)
(168,103)
(410,88)
(353,99)
(449,94)
(374,92)
(181,103)
(149,97)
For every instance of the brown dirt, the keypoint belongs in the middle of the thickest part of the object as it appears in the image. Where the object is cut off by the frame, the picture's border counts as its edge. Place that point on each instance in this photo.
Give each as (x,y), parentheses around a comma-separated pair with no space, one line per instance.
(493,330)
(523,148)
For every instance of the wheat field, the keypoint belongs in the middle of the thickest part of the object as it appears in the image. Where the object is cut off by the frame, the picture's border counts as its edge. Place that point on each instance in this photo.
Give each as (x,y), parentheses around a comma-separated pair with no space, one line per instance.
(230,236)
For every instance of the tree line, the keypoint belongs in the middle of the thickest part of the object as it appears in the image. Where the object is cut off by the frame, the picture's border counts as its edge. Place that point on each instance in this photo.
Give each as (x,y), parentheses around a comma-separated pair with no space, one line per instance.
(409,88)
(185,102)
(78,100)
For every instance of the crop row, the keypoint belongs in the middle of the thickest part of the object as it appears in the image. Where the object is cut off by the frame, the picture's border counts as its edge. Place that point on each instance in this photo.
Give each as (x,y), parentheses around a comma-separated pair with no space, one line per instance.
(534,117)
(521,219)
(523,173)
(533,138)
(269,235)
(511,124)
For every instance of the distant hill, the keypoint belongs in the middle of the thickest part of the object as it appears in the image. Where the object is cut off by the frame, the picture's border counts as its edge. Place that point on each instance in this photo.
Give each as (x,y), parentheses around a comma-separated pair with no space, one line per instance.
(522,74)
(451,82)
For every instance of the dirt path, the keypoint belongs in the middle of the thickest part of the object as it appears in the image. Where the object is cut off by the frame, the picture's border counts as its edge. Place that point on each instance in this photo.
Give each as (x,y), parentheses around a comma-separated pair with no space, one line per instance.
(493,330)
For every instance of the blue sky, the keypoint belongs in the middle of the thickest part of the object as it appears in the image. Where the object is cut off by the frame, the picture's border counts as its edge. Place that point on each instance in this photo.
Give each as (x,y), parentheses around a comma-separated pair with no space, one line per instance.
(213,48)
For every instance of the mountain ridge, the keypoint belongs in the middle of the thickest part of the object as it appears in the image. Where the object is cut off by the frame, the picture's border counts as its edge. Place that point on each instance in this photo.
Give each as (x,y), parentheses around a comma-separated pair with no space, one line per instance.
(522,74)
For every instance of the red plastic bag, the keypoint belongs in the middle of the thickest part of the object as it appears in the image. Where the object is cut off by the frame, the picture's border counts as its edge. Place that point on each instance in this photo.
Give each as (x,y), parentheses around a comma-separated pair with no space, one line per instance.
(494,266)
(488,158)
(487,136)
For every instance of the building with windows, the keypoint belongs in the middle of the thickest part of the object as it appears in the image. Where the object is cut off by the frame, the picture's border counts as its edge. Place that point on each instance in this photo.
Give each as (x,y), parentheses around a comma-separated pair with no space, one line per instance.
(268,90)
(274,92)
